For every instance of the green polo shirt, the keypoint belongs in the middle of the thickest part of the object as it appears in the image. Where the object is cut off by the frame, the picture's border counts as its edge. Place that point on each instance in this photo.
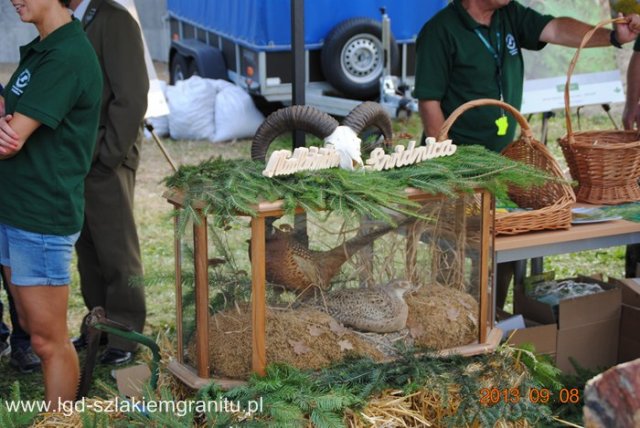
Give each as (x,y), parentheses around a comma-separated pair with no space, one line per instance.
(59,84)
(636,45)
(454,66)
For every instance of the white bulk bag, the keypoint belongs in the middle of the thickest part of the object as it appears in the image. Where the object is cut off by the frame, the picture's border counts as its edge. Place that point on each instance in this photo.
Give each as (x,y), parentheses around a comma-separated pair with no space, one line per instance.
(160,123)
(192,106)
(236,115)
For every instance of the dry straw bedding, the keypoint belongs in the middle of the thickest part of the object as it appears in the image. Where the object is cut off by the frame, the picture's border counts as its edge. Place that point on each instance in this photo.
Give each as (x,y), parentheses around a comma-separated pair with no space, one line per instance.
(306,338)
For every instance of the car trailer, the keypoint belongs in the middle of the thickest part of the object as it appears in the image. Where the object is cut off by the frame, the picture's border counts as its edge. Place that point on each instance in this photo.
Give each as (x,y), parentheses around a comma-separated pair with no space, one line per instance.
(248,42)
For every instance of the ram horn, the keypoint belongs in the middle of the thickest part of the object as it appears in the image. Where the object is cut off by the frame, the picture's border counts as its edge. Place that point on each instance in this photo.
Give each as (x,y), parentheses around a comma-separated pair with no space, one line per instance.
(302,118)
(369,114)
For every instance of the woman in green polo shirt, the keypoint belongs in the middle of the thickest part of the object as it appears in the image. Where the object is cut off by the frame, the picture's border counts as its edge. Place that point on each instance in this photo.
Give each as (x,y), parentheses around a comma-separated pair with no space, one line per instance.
(47,139)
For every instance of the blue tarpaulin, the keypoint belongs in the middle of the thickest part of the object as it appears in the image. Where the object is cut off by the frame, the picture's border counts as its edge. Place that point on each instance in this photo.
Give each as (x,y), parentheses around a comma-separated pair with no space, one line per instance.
(266,24)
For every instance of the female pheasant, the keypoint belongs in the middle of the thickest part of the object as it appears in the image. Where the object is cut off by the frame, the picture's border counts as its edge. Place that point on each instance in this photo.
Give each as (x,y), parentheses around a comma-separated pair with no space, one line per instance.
(377,309)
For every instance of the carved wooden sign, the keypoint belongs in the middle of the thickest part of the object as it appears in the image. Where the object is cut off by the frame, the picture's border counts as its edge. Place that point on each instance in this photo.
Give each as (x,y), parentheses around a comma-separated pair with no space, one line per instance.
(410,155)
(284,162)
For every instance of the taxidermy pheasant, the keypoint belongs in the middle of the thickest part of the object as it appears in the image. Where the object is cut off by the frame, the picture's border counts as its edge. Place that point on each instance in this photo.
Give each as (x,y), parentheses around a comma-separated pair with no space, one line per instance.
(376,309)
(291,264)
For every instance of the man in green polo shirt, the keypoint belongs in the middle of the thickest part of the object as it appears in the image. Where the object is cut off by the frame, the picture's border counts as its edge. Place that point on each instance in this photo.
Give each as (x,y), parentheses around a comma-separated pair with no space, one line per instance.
(472,49)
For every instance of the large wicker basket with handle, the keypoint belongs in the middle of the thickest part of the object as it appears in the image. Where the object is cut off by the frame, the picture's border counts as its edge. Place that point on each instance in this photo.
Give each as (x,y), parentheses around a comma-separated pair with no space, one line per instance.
(547,206)
(605,164)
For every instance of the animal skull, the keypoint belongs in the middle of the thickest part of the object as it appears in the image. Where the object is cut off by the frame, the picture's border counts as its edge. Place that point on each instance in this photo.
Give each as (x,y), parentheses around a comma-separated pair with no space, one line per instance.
(347,144)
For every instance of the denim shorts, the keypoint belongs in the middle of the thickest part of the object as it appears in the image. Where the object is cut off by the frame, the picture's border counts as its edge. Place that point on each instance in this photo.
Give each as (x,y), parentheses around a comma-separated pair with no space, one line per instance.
(35,258)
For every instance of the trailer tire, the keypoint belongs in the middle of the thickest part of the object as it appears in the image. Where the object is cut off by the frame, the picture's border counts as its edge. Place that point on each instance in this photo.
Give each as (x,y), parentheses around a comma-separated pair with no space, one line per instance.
(353,58)
(179,68)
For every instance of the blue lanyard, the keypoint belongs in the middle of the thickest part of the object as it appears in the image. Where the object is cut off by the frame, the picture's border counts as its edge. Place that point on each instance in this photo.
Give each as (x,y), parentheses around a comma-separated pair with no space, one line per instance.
(495,53)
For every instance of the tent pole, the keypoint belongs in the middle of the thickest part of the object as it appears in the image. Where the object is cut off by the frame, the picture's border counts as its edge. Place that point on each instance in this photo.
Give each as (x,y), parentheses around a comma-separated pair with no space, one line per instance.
(299,68)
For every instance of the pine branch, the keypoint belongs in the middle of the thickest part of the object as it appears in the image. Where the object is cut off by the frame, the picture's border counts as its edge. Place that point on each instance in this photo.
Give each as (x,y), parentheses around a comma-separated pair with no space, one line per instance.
(228,188)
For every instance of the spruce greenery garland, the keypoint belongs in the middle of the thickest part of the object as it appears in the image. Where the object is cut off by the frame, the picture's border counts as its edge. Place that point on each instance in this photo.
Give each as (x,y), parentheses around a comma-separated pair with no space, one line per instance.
(231,187)
(292,397)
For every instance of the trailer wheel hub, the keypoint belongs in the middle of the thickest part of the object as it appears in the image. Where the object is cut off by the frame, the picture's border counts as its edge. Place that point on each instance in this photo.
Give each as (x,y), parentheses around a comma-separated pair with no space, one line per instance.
(361,58)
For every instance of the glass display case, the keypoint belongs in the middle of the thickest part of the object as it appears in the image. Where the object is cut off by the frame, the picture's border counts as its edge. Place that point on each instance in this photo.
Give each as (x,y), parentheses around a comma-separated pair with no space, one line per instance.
(311,289)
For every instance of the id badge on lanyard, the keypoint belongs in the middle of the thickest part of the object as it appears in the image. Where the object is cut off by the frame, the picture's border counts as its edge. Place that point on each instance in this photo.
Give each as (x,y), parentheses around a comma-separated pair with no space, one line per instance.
(501,123)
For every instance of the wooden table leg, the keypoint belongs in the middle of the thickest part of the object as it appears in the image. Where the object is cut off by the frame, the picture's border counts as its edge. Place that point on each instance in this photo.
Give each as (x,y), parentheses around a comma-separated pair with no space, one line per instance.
(487,302)
(200,261)
(258,296)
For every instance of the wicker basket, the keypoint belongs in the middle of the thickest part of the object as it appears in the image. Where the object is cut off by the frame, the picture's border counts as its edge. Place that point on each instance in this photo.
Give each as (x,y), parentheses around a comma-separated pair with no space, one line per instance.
(606,164)
(549,205)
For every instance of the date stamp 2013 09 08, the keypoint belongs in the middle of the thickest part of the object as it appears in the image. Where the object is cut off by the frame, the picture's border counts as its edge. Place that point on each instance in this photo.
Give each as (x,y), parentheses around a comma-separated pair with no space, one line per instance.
(492,396)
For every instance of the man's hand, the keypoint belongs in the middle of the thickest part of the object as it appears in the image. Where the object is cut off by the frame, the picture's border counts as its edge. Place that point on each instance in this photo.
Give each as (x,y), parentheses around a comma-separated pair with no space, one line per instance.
(628,31)
(2,110)
(9,139)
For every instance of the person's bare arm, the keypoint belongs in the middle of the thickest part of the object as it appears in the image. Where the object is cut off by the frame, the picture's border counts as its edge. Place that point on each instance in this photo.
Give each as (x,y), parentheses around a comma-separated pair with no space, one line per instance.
(630,113)
(570,32)
(14,132)
(2,110)
(432,117)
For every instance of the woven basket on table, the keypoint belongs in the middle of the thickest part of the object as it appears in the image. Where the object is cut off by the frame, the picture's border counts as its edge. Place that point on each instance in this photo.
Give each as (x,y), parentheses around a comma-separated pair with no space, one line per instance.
(606,164)
(550,204)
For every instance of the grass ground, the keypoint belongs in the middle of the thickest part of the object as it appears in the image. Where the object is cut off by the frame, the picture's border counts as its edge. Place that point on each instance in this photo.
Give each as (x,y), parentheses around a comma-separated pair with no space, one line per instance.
(155,228)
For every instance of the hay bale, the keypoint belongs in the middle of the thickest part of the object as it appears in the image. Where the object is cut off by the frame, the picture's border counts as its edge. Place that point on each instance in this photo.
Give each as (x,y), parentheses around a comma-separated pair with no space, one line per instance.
(304,338)
(307,338)
(442,317)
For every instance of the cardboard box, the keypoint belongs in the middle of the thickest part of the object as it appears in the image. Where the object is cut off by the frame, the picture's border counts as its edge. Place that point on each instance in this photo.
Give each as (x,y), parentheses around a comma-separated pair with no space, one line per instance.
(629,341)
(542,337)
(630,288)
(587,327)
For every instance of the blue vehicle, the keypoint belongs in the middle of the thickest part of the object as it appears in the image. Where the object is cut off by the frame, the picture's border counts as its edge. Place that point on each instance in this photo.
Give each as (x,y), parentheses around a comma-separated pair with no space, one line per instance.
(249,43)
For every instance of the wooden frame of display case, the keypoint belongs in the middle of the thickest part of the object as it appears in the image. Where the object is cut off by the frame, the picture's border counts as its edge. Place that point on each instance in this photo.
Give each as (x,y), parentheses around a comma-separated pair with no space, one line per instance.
(198,377)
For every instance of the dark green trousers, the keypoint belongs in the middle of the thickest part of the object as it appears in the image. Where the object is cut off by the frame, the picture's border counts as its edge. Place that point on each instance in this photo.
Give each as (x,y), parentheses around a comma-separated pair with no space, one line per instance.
(108,250)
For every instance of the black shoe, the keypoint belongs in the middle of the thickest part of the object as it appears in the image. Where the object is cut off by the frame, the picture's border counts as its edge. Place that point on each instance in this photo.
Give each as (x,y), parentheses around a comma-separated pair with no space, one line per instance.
(24,360)
(82,341)
(115,357)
